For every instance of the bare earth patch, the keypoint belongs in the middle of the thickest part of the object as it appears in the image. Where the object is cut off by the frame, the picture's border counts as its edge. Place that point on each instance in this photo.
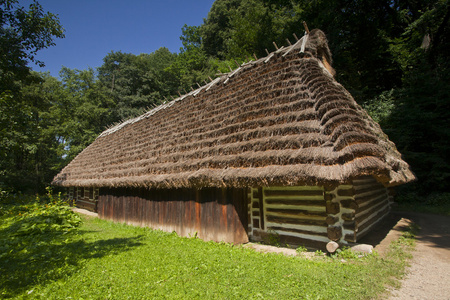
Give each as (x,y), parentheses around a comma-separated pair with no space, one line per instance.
(428,277)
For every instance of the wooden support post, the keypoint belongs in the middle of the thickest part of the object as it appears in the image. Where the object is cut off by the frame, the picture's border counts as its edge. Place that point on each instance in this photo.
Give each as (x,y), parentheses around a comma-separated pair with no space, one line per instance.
(267,51)
(254,55)
(306,27)
(289,42)
(295,36)
(275,44)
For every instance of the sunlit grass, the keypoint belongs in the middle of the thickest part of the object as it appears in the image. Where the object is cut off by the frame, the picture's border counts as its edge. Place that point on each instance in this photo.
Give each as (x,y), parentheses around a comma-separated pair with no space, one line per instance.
(105,260)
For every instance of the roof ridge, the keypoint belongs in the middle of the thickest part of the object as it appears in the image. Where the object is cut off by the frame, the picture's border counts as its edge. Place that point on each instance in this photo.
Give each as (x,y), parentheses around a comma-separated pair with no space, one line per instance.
(225,76)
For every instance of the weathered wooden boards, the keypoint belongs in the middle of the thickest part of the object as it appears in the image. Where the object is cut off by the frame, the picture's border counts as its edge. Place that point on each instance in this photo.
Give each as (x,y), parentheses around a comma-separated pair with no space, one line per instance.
(84,197)
(210,213)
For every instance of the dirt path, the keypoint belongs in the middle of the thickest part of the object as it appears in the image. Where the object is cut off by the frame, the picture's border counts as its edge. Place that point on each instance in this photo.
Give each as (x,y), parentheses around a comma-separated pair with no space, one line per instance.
(428,277)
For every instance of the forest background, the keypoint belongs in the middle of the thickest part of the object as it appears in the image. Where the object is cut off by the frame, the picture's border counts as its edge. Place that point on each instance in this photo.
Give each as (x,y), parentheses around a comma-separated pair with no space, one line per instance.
(392,56)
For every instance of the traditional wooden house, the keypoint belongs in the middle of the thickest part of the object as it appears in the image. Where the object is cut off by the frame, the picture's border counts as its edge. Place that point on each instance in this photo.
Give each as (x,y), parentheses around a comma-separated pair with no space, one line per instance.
(276,146)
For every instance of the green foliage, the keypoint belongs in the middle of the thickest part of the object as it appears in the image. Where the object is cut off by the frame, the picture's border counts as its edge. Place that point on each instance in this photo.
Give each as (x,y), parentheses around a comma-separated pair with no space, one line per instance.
(22,34)
(25,158)
(319,253)
(391,56)
(272,238)
(34,232)
(347,253)
(135,83)
(436,203)
(301,249)
(381,107)
(28,146)
(47,215)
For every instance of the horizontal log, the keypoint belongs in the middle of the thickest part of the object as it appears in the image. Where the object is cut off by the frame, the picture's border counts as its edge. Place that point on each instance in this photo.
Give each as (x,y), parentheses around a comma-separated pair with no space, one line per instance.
(348,216)
(363,180)
(350,237)
(295,221)
(86,205)
(297,241)
(300,231)
(272,193)
(362,199)
(346,192)
(350,225)
(296,212)
(296,202)
(85,201)
(369,189)
(372,221)
(371,210)
(349,204)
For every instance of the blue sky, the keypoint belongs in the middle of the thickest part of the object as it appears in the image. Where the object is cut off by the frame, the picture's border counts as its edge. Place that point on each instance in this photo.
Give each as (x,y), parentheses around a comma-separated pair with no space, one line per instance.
(93,28)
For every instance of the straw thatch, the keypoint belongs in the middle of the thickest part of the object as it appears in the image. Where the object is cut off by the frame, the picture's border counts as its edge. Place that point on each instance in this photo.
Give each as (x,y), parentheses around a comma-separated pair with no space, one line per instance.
(279,120)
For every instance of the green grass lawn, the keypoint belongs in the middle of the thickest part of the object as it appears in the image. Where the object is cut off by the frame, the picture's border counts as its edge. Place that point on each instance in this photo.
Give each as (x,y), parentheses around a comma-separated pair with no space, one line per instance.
(105,260)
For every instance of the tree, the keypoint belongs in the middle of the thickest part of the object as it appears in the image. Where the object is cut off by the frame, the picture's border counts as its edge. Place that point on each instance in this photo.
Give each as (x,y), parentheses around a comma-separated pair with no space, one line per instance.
(135,83)
(22,34)
(24,159)
(28,147)
(83,109)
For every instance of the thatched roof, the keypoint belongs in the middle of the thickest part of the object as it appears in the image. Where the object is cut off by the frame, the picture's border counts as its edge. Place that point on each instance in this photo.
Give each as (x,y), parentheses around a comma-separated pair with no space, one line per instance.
(279,120)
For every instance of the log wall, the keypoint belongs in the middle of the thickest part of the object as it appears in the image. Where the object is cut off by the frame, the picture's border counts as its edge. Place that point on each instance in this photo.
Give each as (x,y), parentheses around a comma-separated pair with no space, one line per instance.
(84,197)
(355,208)
(294,215)
(373,202)
(315,215)
(210,213)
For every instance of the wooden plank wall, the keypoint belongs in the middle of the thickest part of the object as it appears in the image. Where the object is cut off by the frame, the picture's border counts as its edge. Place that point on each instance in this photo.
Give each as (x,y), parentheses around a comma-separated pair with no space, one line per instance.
(84,197)
(373,203)
(296,215)
(211,213)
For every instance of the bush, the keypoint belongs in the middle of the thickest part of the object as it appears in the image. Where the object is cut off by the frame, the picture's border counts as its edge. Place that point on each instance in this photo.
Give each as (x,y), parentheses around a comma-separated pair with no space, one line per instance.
(437,203)
(49,214)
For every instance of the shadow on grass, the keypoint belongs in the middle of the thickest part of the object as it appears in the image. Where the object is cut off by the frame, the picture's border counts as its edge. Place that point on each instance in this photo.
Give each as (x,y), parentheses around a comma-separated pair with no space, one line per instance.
(26,261)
